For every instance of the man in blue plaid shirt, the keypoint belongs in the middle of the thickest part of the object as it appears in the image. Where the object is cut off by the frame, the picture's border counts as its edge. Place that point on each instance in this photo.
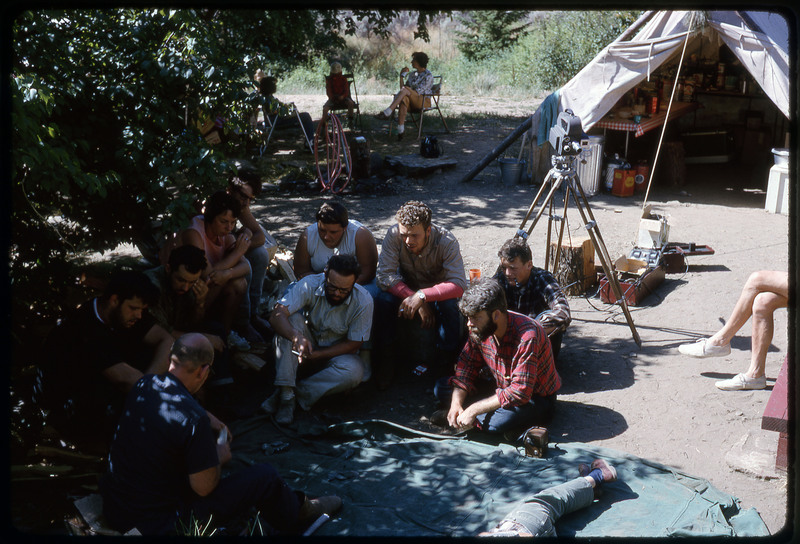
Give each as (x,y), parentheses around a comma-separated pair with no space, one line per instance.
(533,291)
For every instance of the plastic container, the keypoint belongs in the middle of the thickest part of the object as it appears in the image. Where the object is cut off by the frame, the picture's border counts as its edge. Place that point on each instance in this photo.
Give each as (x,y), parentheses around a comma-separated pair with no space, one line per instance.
(511,170)
(589,163)
(781,155)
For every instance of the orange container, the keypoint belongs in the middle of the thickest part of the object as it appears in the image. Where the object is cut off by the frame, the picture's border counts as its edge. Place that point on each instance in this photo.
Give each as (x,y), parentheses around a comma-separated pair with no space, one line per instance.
(624,182)
(640,181)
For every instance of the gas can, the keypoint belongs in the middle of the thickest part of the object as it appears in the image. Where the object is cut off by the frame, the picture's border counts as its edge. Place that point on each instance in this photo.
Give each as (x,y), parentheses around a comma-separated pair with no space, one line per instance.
(640,180)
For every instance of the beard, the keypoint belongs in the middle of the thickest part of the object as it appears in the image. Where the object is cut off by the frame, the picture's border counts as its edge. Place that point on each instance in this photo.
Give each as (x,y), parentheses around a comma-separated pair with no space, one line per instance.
(479,335)
(332,301)
(117,320)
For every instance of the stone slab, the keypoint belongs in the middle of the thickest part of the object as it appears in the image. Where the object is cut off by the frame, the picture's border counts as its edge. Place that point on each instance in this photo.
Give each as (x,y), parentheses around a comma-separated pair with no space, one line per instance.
(755,453)
(417,165)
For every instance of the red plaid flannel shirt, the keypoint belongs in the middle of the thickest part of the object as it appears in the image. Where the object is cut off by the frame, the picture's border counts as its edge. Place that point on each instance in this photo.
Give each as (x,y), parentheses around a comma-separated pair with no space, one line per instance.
(522,364)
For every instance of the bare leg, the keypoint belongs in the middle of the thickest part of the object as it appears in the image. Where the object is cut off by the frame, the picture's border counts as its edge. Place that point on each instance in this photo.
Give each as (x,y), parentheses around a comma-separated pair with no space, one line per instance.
(402,111)
(404,92)
(764,306)
(764,281)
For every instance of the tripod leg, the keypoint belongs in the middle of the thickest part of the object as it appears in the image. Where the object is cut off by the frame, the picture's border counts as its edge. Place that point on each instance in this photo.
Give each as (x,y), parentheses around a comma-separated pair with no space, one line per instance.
(548,199)
(549,237)
(536,199)
(560,233)
(602,252)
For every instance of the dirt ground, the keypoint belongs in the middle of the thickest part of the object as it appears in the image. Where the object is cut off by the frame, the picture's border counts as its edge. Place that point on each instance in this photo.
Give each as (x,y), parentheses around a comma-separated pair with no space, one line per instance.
(649,401)
(644,400)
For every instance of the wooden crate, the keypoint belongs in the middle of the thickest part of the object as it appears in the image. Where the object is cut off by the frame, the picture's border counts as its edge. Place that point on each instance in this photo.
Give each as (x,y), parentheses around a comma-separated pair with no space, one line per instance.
(576,269)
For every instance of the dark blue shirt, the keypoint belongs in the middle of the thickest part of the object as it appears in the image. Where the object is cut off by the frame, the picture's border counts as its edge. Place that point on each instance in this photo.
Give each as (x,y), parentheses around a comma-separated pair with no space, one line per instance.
(164,435)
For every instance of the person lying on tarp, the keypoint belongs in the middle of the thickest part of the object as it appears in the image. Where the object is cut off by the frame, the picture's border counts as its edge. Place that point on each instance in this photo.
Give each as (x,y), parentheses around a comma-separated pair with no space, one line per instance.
(505,379)
(537,514)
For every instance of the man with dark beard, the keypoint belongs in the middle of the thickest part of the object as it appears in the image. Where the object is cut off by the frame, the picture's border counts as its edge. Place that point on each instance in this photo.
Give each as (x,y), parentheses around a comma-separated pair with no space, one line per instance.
(505,379)
(97,353)
(320,324)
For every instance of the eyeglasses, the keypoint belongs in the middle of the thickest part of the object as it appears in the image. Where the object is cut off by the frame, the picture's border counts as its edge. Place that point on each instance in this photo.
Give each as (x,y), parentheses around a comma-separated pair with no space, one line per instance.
(340,290)
(211,371)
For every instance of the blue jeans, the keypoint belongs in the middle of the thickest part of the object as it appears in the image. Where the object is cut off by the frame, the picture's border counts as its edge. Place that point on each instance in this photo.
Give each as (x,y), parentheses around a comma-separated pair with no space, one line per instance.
(513,418)
(538,513)
(384,322)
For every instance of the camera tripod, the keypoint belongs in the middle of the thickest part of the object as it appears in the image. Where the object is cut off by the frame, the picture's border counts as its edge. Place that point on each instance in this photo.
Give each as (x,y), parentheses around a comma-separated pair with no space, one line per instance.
(563,172)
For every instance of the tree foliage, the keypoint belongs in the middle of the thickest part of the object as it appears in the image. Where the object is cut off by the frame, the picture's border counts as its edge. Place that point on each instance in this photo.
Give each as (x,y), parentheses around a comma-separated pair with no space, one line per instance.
(564,42)
(104,105)
(488,32)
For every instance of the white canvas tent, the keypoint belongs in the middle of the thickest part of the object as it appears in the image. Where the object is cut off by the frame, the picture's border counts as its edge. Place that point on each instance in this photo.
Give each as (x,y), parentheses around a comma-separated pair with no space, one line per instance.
(759,39)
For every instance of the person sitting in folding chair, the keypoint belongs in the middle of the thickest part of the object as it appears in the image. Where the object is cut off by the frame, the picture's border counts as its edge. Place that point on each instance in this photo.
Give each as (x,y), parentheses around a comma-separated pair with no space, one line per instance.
(338,90)
(411,93)
(279,115)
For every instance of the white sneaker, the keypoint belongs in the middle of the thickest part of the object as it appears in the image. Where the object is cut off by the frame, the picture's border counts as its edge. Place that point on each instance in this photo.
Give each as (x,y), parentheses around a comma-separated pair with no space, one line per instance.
(702,348)
(740,382)
(237,342)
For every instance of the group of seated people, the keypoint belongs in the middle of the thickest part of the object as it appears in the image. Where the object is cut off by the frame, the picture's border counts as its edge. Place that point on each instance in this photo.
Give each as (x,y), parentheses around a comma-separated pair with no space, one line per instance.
(156,338)
(413,86)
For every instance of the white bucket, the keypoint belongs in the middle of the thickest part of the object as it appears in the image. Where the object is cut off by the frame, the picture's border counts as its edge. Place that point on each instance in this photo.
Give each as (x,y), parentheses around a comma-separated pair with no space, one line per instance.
(511,170)
(588,164)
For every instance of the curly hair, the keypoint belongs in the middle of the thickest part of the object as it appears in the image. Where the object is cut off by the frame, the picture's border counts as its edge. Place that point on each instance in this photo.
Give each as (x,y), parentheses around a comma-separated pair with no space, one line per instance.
(485,294)
(414,213)
(219,203)
(513,248)
(421,58)
(192,258)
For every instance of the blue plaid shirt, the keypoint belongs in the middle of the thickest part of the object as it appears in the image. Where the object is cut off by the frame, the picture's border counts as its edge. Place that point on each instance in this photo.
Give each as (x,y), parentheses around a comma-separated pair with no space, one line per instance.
(541,298)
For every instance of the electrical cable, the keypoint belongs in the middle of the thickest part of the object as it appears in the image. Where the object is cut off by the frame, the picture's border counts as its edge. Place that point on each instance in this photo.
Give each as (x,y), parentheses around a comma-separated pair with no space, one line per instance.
(336,154)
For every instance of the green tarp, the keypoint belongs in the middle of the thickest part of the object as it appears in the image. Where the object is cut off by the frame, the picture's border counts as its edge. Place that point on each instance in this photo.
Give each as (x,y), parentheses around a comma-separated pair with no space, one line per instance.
(396,481)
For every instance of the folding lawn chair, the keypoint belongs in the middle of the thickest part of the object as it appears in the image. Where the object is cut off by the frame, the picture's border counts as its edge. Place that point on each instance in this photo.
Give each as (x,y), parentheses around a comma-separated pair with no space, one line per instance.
(351,81)
(271,121)
(430,101)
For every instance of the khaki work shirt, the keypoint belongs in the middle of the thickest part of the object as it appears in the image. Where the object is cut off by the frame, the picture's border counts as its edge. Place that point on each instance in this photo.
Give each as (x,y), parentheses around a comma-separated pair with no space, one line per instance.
(351,320)
(439,262)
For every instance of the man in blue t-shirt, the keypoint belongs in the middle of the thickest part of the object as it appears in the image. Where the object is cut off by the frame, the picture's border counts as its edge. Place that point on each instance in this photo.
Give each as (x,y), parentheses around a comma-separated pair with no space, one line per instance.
(165,463)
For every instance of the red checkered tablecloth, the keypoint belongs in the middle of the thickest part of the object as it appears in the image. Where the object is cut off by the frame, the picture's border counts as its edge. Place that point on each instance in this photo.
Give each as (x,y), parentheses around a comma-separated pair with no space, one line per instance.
(648,123)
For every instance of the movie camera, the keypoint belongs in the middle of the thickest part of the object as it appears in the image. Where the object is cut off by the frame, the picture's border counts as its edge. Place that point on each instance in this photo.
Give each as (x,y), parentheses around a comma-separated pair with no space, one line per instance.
(566,135)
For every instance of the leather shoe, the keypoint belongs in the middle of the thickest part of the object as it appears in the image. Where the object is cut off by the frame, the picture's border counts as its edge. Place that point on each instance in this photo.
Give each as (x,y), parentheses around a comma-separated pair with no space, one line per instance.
(314,508)
(400,136)
(381,116)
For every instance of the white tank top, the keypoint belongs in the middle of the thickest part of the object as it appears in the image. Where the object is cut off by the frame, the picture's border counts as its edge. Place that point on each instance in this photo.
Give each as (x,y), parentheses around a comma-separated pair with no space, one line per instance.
(320,253)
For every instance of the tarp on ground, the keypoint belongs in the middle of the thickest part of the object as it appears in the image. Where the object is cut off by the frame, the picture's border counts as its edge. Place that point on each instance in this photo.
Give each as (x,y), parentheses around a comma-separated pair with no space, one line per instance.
(396,481)
(758,39)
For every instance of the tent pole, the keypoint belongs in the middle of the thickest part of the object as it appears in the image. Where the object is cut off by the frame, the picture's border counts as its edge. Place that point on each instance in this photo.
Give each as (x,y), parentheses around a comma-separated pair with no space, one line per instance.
(669,108)
(646,16)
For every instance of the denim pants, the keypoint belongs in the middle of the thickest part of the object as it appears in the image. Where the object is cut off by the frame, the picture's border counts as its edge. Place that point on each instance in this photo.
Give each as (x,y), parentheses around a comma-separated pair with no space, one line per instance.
(384,322)
(339,374)
(513,418)
(259,258)
(538,513)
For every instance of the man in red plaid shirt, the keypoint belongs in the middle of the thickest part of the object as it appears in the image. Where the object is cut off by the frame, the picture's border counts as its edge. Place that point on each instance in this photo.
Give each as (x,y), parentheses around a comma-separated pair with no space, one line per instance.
(505,378)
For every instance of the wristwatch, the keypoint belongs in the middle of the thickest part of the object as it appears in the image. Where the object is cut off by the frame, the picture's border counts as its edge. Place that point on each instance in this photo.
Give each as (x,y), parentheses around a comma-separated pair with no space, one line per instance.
(421,295)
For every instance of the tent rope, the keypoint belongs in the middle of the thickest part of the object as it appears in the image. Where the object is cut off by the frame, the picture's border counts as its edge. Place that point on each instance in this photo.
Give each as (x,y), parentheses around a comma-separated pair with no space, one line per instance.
(669,108)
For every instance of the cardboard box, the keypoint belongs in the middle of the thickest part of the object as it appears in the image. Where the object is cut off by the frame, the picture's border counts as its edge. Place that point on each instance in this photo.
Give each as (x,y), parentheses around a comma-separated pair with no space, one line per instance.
(653,230)
(624,182)
(636,280)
